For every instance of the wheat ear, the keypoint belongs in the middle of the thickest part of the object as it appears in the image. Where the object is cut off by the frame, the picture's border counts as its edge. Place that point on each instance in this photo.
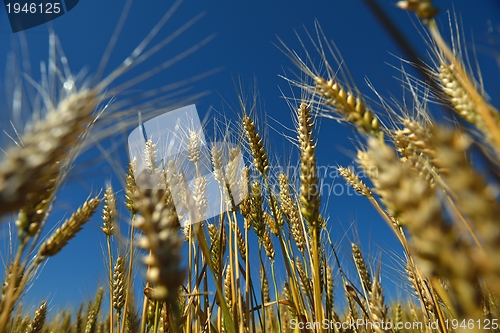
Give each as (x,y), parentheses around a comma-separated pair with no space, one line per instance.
(378,309)
(159,221)
(36,326)
(352,179)
(422,8)
(256,147)
(359,261)
(68,230)
(93,312)
(109,214)
(473,197)
(352,108)
(413,202)
(119,289)
(292,213)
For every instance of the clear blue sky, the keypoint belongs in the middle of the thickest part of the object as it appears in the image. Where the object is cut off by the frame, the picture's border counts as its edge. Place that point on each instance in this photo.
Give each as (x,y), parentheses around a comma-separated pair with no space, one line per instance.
(244,45)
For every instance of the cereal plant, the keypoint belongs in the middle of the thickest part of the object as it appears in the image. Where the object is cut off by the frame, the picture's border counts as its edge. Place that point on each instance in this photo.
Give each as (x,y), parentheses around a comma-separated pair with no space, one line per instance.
(265,261)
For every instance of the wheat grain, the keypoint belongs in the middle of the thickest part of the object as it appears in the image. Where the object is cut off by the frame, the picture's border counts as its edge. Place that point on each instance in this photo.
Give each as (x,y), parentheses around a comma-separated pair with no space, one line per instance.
(415,156)
(458,97)
(241,242)
(36,326)
(200,197)
(421,291)
(423,8)
(232,177)
(473,197)
(287,295)
(215,247)
(398,317)
(79,319)
(12,281)
(292,213)
(194,147)
(150,157)
(33,167)
(271,224)
(378,309)
(310,198)
(356,183)
(329,293)
(93,313)
(35,209)
(256,147)
(227,287)
(130,187)
(268,244)
(109,212)
(411,199)
(359,261)
(217,164)
(346,104)
(256,213)
(309,189)
(305,282)
(132,320)
(158,222)
(119,284)
(265,287)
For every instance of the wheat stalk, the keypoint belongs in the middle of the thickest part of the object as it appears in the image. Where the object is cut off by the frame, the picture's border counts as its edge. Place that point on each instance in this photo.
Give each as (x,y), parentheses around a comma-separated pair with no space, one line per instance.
(310,196)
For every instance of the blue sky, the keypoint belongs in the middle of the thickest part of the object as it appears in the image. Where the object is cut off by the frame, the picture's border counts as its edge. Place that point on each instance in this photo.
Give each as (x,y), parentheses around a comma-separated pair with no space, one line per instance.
(246,35)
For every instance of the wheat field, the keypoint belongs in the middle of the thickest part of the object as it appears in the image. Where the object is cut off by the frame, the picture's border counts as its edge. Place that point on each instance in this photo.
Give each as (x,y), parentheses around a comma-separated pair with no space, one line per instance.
(266,261)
